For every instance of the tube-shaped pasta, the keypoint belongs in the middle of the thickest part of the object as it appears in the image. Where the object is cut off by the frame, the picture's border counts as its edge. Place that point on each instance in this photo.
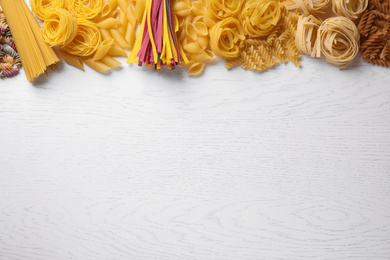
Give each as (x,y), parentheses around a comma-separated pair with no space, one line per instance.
(110,62)
(130,36)
(109,6)
(123,23)
(116,51)
(113,14)
(131,15)
(108,23)
(97,65)
(119,39)
(103,49)
(123,5)
(105,34)
(71,59)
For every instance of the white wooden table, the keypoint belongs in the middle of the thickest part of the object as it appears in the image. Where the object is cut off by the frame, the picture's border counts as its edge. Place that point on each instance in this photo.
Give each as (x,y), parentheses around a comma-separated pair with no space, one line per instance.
(288,164)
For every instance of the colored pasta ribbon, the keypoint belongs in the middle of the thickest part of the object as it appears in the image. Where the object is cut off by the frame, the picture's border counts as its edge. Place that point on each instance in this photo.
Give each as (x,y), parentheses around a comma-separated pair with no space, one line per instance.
(156,44)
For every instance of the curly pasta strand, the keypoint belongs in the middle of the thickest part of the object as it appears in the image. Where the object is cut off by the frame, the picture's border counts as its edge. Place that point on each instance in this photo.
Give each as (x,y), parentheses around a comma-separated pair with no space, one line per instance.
(41,7)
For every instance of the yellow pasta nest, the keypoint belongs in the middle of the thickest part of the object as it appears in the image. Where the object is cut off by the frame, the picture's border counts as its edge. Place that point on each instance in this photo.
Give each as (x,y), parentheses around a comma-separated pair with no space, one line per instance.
(59,27)
(351,9)
(87,9)
(87,40)
(227,38)
(41,7)
(338,40)
(259,17)
(220,9)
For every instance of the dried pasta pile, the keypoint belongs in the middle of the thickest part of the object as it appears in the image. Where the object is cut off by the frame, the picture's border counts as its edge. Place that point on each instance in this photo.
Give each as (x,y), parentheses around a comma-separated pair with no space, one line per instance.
(374,28)
(253,34)
(89,31)
(35,54)
(9,58)
(336,38)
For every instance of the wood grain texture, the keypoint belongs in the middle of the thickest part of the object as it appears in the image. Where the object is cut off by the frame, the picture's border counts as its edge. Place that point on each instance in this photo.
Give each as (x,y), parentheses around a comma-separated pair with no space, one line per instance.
(288,164)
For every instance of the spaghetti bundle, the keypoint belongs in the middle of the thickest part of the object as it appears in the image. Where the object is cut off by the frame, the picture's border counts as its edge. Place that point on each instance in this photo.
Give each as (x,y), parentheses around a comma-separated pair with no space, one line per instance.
(36,55)
(156,44)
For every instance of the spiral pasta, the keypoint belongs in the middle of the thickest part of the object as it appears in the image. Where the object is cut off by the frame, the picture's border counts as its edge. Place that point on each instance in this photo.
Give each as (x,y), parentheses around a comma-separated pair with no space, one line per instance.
(374,29)
(59,28)
(227,38)
(87,40)
(338,39)
(87,9)
(351,9)
(221,9)
(41,7)
(314,7)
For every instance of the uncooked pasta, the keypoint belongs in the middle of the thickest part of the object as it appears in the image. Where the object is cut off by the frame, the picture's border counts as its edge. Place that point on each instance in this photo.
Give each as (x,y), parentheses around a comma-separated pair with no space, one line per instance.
(87,9)
(306,34)
(338,41)
(315,7)
(374,29)
(221,9)
(41,7)
(259,17)
(87,40)
(351,9)
(227,38)
(59,27)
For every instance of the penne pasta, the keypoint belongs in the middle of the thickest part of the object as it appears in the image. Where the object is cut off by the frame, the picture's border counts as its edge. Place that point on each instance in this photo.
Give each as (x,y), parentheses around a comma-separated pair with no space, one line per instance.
(119,39)
(103,49)
(110,62)
(108,23)
(130,36)
(116,51)
(123,23)
(109,6)
(71,59)
(105,34)
(97,65)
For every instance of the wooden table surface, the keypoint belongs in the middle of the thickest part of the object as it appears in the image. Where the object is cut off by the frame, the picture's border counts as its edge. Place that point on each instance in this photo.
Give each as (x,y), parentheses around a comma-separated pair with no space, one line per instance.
(139,164)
